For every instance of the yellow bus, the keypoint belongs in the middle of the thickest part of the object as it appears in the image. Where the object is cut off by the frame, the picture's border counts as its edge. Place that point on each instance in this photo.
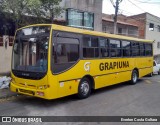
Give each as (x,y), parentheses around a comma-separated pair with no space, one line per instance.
(52,61)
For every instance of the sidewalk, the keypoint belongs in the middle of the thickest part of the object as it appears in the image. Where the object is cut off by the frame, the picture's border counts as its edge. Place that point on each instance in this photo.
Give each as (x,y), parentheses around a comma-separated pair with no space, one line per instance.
(4,87)
(4,93)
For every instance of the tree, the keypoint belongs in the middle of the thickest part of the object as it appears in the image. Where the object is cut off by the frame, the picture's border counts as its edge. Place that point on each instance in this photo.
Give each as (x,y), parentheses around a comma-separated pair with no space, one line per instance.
(16,10)
(21,11)
(49,9)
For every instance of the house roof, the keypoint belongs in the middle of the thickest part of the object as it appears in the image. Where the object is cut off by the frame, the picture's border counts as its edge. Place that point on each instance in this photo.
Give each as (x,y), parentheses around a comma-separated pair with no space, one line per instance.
(119,22)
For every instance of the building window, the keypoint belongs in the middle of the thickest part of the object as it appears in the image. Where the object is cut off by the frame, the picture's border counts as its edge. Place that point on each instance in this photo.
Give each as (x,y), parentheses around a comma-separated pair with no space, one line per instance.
(75,18)
(91,2)
(158,44)
(104,28)
(80,19)
(151,27)
(158,28)
(88,20)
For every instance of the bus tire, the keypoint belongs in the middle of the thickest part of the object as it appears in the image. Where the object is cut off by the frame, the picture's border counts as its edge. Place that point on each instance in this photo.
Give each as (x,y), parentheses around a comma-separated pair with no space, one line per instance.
(134,77)
(84,88)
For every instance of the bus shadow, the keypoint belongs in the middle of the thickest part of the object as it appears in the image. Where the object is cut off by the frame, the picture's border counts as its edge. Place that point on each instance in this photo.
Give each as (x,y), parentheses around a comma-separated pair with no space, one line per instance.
(34,101)
(112,87)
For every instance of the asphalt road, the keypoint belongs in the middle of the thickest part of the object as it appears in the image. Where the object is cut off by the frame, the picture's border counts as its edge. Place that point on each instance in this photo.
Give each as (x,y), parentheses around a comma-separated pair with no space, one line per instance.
(142,99)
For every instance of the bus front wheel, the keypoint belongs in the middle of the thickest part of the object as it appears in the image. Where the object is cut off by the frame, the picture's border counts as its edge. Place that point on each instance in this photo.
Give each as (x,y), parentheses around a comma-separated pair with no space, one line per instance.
(84,88)
(134,77)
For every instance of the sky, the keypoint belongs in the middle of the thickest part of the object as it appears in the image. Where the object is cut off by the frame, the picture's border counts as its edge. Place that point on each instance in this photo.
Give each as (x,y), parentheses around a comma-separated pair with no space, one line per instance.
(133,7)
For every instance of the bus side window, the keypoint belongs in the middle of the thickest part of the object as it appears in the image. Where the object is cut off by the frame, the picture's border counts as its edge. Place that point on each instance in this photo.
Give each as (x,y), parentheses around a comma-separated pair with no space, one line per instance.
(126,48)
(115,48)
(67,50)
(104,47)
(66,54)
(90,47)
(135,49)
(142,49)
(148,49)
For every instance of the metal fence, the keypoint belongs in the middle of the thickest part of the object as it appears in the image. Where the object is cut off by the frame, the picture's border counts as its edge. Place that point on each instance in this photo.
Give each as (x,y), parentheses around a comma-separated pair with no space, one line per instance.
(11,38)
(8,39)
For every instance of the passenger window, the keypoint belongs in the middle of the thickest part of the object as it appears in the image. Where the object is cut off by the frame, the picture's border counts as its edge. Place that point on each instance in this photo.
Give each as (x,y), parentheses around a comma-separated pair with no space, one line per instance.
(142,49)
(115,48)
(67,50)
(126,48)
(90,47)
(135,49)
(148,49)
(104,47)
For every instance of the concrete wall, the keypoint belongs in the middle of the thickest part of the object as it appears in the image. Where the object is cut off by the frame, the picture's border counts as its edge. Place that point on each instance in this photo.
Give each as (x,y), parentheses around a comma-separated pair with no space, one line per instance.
(93,6)
(5,57)
(140,21)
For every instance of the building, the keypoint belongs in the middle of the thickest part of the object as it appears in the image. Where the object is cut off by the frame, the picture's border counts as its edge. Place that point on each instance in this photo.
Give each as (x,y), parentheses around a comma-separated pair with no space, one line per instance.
(125,26)
(151,30)
(85,14)
(145,26)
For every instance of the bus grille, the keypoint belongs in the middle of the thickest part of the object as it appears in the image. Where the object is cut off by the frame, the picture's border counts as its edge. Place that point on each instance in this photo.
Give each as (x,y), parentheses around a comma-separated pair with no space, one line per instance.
(28,85)
(27,91)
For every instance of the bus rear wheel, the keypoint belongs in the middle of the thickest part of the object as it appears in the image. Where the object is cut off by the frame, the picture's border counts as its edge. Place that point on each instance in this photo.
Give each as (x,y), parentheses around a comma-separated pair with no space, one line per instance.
(151,74)
(84,88)
(134,77)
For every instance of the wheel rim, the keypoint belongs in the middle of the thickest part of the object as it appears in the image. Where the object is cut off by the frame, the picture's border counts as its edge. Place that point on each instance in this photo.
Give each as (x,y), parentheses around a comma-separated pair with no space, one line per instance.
(84,88)
(134,77)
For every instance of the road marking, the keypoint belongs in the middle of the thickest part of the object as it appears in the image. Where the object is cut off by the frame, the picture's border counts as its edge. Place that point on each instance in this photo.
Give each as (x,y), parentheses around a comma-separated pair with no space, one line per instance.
(148,82)
(158,81)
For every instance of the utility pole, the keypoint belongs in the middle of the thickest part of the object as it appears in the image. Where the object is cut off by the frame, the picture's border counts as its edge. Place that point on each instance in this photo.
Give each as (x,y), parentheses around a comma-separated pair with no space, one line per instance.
(115,16)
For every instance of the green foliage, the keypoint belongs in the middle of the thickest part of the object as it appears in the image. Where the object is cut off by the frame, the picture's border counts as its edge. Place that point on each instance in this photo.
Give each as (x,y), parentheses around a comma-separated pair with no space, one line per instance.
(16,9)
(25,12)
(50,9)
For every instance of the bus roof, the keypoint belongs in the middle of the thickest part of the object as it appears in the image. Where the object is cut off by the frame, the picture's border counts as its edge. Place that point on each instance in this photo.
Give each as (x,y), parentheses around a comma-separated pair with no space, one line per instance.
(96,33)
(89,32)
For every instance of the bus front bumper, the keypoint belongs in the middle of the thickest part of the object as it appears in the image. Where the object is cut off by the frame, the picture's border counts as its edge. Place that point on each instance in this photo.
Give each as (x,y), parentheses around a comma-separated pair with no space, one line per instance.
(31,92)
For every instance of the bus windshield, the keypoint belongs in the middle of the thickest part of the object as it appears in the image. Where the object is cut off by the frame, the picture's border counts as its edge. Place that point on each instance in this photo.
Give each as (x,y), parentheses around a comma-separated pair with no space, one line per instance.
(30,50)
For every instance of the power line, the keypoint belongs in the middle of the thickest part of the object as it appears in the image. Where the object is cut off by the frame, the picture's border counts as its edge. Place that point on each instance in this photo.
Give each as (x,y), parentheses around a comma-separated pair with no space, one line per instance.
(112,3)
(136,6)
(147,2)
